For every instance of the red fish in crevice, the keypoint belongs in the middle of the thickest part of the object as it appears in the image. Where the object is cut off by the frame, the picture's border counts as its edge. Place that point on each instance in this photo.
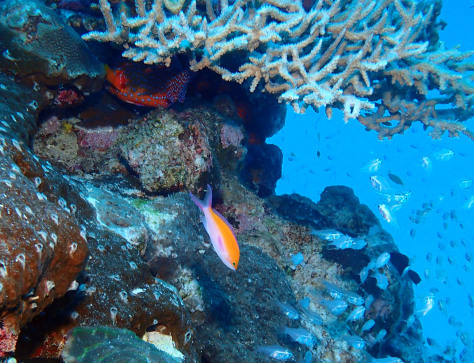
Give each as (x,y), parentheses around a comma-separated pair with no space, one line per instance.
(150,86)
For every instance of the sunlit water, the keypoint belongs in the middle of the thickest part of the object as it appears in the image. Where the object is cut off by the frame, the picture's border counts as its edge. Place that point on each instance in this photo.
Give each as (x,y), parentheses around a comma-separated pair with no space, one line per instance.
(439,237)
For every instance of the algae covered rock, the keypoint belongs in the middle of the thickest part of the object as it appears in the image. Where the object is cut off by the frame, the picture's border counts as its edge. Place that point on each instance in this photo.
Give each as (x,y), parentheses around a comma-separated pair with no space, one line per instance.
(166,153)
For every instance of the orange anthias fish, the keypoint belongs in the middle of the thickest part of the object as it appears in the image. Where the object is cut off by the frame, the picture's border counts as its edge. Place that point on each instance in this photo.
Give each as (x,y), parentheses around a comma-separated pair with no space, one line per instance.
(220,231)
(150,86)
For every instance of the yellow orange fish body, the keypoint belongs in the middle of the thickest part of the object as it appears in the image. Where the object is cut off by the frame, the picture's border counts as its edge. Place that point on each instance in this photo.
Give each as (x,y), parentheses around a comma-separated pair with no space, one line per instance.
(220,231)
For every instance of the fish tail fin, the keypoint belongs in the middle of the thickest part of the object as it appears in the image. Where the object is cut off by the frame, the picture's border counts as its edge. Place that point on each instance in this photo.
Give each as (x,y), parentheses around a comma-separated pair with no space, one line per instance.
(206,202)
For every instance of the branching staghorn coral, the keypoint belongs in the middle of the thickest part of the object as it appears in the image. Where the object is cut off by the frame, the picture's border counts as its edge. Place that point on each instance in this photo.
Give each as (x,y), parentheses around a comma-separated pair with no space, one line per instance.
(375,60)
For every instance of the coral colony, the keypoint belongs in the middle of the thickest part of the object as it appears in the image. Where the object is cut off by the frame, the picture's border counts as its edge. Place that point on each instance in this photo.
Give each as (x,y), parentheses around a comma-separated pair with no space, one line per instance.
(377,60)
(102,255)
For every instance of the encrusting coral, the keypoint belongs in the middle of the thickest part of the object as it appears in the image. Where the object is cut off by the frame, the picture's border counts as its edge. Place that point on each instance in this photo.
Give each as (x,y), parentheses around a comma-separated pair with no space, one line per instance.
(368,58)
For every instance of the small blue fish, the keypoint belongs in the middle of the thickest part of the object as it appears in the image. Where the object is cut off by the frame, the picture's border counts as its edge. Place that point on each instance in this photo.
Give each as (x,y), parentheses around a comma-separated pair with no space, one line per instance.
(368,325)
(300,335)
(312,316)
(297,259)
(356,314)
(381,334)
(382,260)
(275,351)
(353,298)
(333,290)
(288,310)
(327,234)
(335,307)
(345,242)
(386,360)
(308,357)
(368,301)
(364,273)
(382,281)
(354,340)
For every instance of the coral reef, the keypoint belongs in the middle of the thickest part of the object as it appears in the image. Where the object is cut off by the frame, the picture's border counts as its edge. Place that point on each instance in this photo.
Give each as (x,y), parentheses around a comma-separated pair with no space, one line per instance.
(97,233)
(374,60)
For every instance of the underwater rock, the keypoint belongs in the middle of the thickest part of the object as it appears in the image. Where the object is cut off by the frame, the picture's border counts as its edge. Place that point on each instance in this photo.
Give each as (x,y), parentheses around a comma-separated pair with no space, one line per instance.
(116,287)
(37,42)
(167,155)
(339,210)
(297,209)
(88,344)
(46,218)
(227,306)
(262,168)
(78,149)
(165,150)
(342,208)
(42,248)
(19,109)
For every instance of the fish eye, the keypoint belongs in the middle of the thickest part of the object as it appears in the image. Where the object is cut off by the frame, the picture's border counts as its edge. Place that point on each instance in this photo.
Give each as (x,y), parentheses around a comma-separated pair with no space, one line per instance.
(233,263)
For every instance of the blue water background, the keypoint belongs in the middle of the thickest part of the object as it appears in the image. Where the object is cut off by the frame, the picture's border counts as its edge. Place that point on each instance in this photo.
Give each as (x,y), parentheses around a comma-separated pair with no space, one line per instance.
(346,149)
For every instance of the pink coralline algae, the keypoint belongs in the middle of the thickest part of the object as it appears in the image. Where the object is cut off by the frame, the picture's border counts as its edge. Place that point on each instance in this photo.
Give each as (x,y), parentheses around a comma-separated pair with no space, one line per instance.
(68,97)
(50,126)
(99,139)
(7,340)
(231,135)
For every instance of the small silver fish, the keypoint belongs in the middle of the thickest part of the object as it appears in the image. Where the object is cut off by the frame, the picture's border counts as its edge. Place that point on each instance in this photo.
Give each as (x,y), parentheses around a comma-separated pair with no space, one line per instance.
(356,314)
(428,303)
(335,307)
(368,325)
(382,260)
(275,351)
(426,164)
(346,242)
(288,310)
(382,281)
(379,183)
(356,341)
(300,335)
(386,213)
(333,290)
(353,298)
(312,316)
(327,234)
(398,199)
(373,165)
(465,183)
(386,360)
(444,155)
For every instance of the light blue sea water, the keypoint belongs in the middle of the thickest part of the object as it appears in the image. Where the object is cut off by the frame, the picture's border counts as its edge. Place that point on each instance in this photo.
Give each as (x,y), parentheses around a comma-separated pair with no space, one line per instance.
(439,245)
